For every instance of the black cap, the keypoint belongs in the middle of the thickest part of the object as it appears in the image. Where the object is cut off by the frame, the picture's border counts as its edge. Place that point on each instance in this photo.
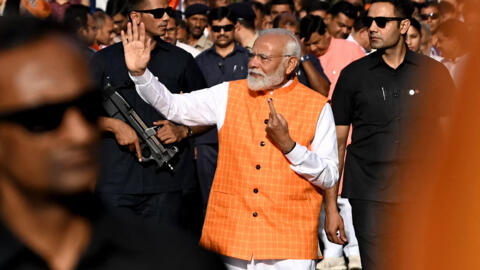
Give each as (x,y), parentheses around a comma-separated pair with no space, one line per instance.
(196,9)
(242,11)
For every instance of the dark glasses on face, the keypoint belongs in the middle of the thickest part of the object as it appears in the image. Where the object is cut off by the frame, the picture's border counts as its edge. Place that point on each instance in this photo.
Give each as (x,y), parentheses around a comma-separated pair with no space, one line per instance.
(226,28)
(433,16)
(379,21)
(158,12)
(49,117)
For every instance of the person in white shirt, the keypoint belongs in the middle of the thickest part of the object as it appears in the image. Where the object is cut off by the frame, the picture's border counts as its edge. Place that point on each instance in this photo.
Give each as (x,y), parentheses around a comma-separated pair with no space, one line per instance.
(171,37)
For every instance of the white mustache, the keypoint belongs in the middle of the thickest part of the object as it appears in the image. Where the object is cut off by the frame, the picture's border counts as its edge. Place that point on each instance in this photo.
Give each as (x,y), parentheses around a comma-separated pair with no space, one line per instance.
(256,72)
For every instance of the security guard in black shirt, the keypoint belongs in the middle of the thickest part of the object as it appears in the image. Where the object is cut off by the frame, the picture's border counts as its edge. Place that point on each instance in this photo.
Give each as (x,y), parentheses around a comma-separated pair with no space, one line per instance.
(140,187)
(380,96)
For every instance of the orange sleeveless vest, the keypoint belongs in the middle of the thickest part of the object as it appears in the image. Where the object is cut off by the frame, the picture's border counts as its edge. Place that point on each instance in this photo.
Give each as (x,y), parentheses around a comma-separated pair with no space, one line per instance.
(258,205)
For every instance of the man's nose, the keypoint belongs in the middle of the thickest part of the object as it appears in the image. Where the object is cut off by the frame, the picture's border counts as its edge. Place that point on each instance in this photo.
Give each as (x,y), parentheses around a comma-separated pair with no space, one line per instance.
(253,62)
(373,27)
(77,129)
(165,17)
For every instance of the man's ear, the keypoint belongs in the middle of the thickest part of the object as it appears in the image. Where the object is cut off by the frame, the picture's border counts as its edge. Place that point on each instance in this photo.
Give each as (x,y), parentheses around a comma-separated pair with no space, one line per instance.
(328,18)
(291,65)
(404,25)
(135,17)
(82,32)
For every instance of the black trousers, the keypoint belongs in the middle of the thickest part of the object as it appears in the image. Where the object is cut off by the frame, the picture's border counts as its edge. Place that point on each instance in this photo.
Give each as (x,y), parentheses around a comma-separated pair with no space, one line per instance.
(374,224)
(158,208)
(207,155)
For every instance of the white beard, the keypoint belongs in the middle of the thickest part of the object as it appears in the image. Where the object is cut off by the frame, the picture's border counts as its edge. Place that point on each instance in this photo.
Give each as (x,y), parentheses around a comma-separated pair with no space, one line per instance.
(266,81)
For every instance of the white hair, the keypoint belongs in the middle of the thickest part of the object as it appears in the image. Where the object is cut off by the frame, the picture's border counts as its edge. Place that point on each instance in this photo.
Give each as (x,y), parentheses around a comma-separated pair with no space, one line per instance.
(292,48)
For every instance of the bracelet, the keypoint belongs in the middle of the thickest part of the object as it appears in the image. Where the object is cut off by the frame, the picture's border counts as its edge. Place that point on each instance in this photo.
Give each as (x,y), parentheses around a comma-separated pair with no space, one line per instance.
(288,152)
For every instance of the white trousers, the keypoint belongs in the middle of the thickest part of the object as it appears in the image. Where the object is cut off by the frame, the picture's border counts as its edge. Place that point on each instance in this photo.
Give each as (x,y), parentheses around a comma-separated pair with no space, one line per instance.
(237,264)
(333,250)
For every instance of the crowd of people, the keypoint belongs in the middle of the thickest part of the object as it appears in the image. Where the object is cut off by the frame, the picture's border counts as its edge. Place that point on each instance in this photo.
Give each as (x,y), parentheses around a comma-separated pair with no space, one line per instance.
(290,118)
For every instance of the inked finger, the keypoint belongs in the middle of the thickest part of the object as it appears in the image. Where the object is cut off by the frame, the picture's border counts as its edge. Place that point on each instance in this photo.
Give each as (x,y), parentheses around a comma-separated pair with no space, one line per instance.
(272,107)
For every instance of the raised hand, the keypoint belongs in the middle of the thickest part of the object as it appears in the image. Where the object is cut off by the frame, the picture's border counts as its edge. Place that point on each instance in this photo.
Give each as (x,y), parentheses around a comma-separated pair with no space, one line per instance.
(136,48)
(277,130)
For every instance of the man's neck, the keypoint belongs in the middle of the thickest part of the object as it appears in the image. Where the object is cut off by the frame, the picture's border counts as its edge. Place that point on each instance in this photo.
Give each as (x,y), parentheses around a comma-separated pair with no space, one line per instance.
(225,51)
(193,40)
(280,85)
(153,41)
(48,229)
(394,56)
(61,2)
(457,56)
(246,37)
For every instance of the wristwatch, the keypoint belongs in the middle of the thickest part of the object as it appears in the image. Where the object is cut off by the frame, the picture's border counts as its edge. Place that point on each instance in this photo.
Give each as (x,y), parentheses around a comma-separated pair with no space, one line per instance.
(304,58)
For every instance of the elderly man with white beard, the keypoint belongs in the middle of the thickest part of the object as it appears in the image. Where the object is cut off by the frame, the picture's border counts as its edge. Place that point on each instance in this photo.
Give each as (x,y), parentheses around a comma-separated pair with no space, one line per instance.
(271,176)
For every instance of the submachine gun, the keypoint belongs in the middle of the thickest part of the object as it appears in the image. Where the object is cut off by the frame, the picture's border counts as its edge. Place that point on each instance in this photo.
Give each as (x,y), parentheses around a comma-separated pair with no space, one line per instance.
(152,149)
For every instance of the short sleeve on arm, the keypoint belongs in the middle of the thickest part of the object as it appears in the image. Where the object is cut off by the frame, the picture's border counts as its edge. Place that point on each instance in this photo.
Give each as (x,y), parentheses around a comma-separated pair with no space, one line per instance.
(342,100)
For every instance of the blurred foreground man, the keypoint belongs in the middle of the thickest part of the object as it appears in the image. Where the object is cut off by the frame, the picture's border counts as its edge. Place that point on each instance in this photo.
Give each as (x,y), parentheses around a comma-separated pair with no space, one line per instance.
(264,203)
(49,218)
(380,95)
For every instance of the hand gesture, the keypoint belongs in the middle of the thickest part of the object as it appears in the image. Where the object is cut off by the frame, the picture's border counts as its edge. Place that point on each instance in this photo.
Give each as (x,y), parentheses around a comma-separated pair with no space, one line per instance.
(136,48)
(126,136)
(277,130)
(169,132)
(334,228)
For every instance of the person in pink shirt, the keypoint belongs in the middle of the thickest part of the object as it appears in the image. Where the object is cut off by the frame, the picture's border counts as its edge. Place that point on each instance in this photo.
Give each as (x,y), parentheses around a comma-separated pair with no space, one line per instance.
(334,54)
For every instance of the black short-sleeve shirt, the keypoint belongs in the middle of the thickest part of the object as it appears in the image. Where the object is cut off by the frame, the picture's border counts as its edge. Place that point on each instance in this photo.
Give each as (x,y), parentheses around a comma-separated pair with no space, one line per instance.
(116,243)
(120,171)
(381,104)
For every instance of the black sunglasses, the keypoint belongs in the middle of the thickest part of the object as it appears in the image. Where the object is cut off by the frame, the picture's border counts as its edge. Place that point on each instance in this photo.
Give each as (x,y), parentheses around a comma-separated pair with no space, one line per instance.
(48,117)
(158,12)
(425,17)
(379,21)
(226,28)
